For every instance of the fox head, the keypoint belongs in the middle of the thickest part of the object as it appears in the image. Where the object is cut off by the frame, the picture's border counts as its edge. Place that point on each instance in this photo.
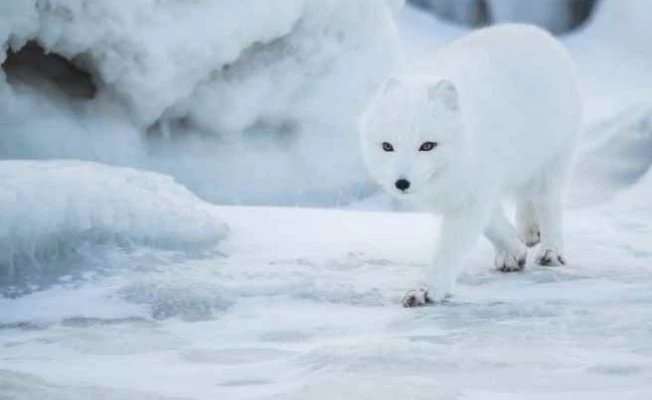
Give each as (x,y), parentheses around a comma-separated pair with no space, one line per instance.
(412,134)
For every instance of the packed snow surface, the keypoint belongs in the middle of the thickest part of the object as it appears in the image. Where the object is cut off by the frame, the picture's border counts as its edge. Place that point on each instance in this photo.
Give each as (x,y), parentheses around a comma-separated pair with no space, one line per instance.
(304,304)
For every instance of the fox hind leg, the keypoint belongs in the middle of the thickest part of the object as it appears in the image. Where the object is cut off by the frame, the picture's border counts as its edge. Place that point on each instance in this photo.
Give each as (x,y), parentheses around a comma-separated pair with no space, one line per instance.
(551,252)
(547,207)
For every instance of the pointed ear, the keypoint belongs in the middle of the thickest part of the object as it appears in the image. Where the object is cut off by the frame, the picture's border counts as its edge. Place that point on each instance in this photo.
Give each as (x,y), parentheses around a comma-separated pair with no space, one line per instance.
(445,93)
(390,84)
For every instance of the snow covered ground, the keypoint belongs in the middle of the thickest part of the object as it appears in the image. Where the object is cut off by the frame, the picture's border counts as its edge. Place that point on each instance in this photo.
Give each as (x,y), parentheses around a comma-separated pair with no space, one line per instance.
(303,303)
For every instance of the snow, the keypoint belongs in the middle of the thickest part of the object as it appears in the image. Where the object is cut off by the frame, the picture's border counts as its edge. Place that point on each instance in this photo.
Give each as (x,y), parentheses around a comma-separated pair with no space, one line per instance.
(130,45)
(50,207)
(309,310)
(614,57)
(303,303)
(417,40)
(275,108)
(229,86)
(611,51)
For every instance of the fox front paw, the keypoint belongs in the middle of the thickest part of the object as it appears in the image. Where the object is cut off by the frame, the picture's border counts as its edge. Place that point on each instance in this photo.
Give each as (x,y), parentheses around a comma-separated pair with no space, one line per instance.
(421,297)
(550,258)
(509,262)
(416,298)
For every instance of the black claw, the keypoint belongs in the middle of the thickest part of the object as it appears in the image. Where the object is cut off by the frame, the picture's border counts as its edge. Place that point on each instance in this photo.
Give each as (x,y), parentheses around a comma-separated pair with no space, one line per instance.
(411,301)
(427,298)
(546,259)
(520,266)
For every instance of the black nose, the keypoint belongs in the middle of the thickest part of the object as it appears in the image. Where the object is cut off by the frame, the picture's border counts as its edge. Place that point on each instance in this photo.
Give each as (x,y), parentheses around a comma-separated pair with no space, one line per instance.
(402,184)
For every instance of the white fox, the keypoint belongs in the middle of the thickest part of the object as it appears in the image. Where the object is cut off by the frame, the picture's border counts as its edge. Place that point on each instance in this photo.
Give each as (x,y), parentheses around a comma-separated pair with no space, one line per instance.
(496,115)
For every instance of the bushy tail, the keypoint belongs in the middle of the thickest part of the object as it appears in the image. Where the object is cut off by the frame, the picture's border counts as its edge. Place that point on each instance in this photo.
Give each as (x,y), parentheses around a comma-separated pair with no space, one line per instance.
(612,156)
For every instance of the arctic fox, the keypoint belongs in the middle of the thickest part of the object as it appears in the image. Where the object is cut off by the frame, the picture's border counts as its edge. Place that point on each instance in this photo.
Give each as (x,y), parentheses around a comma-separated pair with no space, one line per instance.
(497,114)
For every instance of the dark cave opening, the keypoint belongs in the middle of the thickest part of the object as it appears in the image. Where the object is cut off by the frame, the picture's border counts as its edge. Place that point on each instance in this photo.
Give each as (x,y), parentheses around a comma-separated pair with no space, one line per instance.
(35,67)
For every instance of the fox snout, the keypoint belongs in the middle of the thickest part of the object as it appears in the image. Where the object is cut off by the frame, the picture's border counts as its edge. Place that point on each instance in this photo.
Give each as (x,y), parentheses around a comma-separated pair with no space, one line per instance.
(402,184)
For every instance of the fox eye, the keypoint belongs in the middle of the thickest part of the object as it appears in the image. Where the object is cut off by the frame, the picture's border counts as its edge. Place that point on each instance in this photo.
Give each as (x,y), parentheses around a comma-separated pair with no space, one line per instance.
(427,146)
(388,147)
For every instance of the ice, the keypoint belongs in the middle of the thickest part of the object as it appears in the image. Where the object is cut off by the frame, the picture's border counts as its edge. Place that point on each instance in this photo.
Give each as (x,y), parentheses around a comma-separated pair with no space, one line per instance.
(51,207)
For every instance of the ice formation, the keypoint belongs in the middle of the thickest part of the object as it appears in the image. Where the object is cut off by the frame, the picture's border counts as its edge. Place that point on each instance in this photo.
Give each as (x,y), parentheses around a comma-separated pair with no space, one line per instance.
(51,206)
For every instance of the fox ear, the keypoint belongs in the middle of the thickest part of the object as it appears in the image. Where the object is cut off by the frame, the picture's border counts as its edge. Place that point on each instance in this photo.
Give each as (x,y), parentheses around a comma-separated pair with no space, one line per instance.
(445,93)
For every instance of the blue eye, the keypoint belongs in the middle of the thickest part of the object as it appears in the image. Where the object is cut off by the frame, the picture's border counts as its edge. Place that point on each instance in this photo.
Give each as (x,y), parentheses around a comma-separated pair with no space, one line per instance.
(388,147)
(427,146)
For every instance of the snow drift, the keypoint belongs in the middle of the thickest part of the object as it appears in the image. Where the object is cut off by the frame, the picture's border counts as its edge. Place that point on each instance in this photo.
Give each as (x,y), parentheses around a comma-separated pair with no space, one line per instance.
(50,207)
(266,92)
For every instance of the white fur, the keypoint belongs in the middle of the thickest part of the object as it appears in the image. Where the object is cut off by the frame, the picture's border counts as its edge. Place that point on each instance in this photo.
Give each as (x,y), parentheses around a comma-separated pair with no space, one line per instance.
(503,106)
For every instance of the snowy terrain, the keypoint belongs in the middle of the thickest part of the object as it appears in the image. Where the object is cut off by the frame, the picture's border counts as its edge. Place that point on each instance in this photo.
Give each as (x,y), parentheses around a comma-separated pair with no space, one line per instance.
(49,208)
(202,90)
(303,303)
